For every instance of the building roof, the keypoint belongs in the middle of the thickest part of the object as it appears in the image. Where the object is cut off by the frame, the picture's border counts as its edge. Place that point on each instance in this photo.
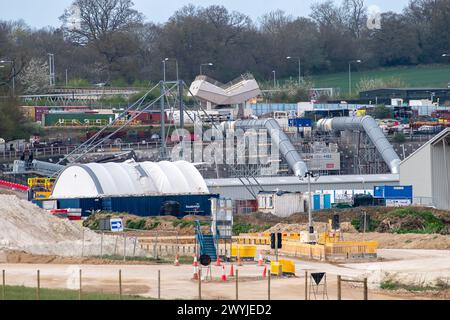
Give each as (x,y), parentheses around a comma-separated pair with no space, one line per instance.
(276,181)
(129,178)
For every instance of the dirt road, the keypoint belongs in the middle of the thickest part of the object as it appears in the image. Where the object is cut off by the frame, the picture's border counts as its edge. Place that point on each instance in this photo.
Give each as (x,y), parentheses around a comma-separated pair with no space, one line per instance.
(176,282)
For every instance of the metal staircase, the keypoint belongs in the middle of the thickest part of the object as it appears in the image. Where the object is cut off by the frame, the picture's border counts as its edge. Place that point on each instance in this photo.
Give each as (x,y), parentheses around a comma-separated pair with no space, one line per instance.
(206,242)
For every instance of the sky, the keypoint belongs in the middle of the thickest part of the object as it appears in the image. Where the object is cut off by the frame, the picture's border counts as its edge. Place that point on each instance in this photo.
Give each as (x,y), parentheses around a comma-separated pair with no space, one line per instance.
(42,13)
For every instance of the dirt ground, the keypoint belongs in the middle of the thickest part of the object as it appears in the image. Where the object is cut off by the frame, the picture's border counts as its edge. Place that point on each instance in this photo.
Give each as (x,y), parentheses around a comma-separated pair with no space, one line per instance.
(176,282)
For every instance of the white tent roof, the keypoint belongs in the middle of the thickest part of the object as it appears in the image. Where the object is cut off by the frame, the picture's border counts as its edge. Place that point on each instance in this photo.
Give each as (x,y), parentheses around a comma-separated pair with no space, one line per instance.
(129,178)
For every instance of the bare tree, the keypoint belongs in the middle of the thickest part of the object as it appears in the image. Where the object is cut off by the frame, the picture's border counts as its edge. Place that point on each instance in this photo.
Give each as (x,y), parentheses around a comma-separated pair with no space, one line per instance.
(96,19)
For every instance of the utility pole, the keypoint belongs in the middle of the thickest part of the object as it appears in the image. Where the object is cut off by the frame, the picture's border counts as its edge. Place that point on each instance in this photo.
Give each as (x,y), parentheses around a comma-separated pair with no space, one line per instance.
(350,75)
(163,114)
(180,93)
(274,79)
(299,68)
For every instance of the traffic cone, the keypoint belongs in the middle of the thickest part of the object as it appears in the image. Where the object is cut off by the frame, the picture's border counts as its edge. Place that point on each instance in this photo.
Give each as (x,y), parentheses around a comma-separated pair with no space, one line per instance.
(218,264)
(265,272)
(195,276)
(260,261)
(231,271)
(195,264)
(177,261)
(224,276)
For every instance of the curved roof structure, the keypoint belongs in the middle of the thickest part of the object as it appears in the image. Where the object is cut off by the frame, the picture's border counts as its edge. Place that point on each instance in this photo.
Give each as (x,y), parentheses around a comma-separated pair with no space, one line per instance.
(128,178)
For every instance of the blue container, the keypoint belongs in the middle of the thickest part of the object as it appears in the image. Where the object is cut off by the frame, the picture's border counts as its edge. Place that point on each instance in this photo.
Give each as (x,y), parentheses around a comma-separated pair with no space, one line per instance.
(300,122)
(327,201)
(145,206)
(316,202)
(394,192)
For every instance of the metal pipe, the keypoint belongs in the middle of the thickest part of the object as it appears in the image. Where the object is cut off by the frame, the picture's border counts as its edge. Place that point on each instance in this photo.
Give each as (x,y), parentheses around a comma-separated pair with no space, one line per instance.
(370,126)
(279,138)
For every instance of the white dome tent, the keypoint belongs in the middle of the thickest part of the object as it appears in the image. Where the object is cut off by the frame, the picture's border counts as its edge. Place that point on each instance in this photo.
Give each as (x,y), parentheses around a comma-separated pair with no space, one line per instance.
(129,179)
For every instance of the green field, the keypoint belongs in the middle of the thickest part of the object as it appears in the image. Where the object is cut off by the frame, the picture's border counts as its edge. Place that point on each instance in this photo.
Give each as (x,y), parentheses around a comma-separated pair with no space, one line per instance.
(418,76)
(24,293)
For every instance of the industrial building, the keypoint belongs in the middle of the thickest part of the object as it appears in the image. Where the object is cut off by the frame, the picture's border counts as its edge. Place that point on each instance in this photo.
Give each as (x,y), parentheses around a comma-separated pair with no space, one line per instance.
(427,170)
(335,185)
(407,94)
(145,189)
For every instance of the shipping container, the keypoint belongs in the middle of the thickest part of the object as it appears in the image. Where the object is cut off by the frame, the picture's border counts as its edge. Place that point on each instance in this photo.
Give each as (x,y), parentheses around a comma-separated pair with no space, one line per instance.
(76,119)
(148,117)
(394,192)
(145,206)
(300,122)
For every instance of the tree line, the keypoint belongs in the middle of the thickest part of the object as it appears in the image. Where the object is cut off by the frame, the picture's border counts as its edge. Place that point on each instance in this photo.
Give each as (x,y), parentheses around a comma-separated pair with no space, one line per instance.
(110,41)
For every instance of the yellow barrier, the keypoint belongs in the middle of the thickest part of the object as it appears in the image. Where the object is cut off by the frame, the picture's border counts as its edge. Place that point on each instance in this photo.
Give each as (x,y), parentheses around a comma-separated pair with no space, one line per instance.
(245,251)
(282,267)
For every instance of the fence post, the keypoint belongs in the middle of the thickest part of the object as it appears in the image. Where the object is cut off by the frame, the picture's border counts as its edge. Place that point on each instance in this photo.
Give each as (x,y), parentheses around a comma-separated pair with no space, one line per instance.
(80,291)
(199,284)
(82,244)
(159,284)
(3,285)
(134,248)
(124,247)
(366,295)
(120,284)
(38,289)
(306,285)
(268,286)
(237,284)
(101,246)
(339,289)
(115,246)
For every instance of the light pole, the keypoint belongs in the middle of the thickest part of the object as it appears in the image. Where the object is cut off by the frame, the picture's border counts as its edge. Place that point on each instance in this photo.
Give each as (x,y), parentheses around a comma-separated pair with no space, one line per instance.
(446,55)
(13,75)
(350,75)
(164,69)
(176,62)
(299,68)
(205,64)
(310,175)
(274,79)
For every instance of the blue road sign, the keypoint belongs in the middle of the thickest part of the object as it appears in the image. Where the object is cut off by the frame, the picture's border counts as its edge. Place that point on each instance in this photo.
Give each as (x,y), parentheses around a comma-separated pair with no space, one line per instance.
(116,225)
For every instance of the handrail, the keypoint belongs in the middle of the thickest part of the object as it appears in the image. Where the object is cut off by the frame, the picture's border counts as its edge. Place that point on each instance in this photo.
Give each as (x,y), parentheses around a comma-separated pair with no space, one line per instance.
(198,232)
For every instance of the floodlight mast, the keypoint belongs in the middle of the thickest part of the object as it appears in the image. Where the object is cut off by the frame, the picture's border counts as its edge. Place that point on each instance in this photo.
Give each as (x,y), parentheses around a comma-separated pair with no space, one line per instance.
(310,175)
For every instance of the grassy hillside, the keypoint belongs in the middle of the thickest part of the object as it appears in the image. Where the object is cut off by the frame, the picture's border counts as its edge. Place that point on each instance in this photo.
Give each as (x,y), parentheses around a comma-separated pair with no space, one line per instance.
(418,76)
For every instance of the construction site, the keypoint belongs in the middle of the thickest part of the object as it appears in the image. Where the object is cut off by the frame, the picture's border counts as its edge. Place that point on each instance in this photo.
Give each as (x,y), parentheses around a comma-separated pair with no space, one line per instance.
(227,204)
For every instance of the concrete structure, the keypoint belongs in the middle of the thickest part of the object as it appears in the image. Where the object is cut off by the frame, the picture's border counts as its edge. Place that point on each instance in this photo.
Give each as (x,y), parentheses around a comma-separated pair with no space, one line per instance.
(428,171)
(233,188)
(214,93)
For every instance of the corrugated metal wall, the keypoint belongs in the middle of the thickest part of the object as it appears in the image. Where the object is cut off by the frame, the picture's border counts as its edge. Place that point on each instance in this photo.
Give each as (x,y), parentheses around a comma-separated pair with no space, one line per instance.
(440,165)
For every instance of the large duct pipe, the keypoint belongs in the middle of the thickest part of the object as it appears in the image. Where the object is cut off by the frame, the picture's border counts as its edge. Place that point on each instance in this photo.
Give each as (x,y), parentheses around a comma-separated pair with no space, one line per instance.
(370,126)
(279,138)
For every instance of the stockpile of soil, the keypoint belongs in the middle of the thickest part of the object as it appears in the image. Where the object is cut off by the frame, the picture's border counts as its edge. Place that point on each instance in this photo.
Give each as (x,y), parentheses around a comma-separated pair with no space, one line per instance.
(26,227)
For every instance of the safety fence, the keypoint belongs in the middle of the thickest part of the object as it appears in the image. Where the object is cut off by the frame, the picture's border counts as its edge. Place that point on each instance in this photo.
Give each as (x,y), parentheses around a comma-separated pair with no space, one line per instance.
(156,283)
(330,251)
(13,185)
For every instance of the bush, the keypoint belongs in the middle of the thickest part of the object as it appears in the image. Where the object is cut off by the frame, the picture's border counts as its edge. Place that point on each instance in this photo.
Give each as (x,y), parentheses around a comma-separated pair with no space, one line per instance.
(431,224)
(136,224)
